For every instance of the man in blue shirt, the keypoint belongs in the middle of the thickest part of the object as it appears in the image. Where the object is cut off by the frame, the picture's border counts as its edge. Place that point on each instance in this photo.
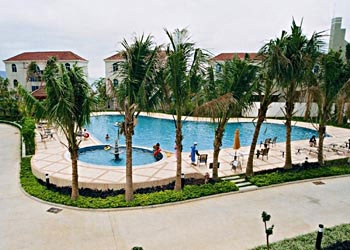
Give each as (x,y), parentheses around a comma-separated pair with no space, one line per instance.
(194,152)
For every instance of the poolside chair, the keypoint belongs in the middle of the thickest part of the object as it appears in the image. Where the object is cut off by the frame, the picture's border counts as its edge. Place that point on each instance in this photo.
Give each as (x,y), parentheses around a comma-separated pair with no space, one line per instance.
(43,136)
(202,158)
(267,142)
(265,152)
(212,164)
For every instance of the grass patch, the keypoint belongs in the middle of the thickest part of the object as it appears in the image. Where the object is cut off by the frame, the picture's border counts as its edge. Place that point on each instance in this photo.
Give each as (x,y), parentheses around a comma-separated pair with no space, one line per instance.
(31,185)
(337,237)
(277,177)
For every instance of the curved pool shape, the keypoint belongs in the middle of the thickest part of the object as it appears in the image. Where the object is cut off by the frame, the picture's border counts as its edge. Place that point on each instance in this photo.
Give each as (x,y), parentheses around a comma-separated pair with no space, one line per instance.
(99,156)
(150,130)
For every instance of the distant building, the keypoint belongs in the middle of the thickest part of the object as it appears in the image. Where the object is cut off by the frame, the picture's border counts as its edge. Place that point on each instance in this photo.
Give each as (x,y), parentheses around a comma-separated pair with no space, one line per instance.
(337,40)
(112,66)
(111,69)
(17,67)
(221,58)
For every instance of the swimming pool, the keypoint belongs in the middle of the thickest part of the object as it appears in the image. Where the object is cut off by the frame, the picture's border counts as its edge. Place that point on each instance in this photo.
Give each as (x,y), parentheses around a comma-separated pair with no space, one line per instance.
(151,130)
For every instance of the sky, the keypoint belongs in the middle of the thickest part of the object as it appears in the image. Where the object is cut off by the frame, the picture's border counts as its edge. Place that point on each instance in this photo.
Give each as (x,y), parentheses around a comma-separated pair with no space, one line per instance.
(95,29)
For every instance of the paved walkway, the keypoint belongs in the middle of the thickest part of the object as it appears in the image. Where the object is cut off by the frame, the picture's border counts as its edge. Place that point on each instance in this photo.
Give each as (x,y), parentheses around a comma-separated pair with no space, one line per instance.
(52,158)
(229,221)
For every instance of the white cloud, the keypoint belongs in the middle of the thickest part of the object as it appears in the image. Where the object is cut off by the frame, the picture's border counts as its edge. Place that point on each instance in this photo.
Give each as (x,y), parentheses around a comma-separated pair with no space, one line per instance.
(95,29)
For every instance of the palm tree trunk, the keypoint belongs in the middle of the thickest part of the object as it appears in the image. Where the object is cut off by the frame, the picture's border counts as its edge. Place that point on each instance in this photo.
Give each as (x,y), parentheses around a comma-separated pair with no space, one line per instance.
(249,170)
(129,129)
(321,134)
(75,184)
(219,133)
(340,110)
(179,151)
(308,105)
(289,113)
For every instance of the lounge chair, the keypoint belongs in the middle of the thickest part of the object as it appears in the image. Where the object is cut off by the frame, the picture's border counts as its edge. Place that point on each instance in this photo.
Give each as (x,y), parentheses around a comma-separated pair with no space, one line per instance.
(202,158)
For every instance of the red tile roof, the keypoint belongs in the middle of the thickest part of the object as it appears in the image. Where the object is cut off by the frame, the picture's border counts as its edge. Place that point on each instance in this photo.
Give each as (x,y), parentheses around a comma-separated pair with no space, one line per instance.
(40,93)
(117,56)
(230,56)
(45,55)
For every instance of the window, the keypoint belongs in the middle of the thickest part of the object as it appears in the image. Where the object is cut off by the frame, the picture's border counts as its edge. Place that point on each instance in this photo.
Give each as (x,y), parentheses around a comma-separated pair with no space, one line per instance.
(34,88)
(67,65)
(14,68)
(115,67)
(217,68)
(115,82)
(15,83)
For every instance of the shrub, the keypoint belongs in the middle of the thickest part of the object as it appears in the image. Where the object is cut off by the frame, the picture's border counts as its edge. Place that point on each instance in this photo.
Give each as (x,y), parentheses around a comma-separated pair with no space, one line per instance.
(333,238)
(28,134)
(281,176)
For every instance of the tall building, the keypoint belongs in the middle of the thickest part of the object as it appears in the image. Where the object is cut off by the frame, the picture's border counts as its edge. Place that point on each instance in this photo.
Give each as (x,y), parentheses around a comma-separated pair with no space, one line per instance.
(337,40)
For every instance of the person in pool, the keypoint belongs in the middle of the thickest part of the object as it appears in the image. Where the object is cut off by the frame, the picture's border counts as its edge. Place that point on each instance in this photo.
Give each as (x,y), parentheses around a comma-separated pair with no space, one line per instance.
(156,152)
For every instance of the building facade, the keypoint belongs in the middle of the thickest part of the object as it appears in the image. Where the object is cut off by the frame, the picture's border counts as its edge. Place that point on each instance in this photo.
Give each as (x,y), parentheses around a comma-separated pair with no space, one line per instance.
(337,40)
(17,67)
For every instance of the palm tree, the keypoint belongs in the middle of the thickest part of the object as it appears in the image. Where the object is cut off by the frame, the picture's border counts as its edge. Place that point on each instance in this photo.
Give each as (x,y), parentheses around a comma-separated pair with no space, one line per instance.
(185,67)
(267,92)
(333,83)
(137,92)
(289,64)
(234,85)
(67,106)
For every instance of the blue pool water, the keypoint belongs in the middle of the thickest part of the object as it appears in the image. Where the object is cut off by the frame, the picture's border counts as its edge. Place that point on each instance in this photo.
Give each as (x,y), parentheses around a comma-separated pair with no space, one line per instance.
(97,155)
(149,131)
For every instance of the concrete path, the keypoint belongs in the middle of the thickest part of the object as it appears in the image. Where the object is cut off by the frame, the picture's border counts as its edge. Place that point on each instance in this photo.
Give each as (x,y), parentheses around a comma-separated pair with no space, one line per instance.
(224,222)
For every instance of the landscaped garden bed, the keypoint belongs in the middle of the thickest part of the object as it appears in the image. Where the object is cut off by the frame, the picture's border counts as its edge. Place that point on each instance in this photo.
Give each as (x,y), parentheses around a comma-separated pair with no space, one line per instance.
(115,199)
(334,238)
(300,172)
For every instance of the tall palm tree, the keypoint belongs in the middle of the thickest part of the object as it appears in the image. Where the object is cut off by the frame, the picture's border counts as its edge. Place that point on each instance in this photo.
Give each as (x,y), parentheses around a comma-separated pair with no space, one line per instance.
(234,86)
(333,83)
(137,92)
(267,92)
(67,106)
(289,63)
(185,67)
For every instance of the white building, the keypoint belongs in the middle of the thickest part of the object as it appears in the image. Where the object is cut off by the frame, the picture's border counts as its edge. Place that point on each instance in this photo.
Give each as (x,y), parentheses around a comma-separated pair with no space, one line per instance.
(17,66)
(111,69)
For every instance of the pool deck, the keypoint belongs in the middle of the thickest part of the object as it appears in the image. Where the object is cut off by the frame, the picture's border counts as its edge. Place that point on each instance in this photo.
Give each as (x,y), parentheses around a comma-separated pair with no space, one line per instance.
(52,158)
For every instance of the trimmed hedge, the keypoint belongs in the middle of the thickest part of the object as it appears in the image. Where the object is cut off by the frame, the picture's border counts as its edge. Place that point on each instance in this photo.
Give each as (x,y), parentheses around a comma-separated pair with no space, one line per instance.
(337,237)
(277,177)
(32,186)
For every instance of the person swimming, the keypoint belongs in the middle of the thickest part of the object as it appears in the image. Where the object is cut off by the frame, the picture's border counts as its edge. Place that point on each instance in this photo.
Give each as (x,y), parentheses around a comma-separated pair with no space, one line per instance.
(157,152)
